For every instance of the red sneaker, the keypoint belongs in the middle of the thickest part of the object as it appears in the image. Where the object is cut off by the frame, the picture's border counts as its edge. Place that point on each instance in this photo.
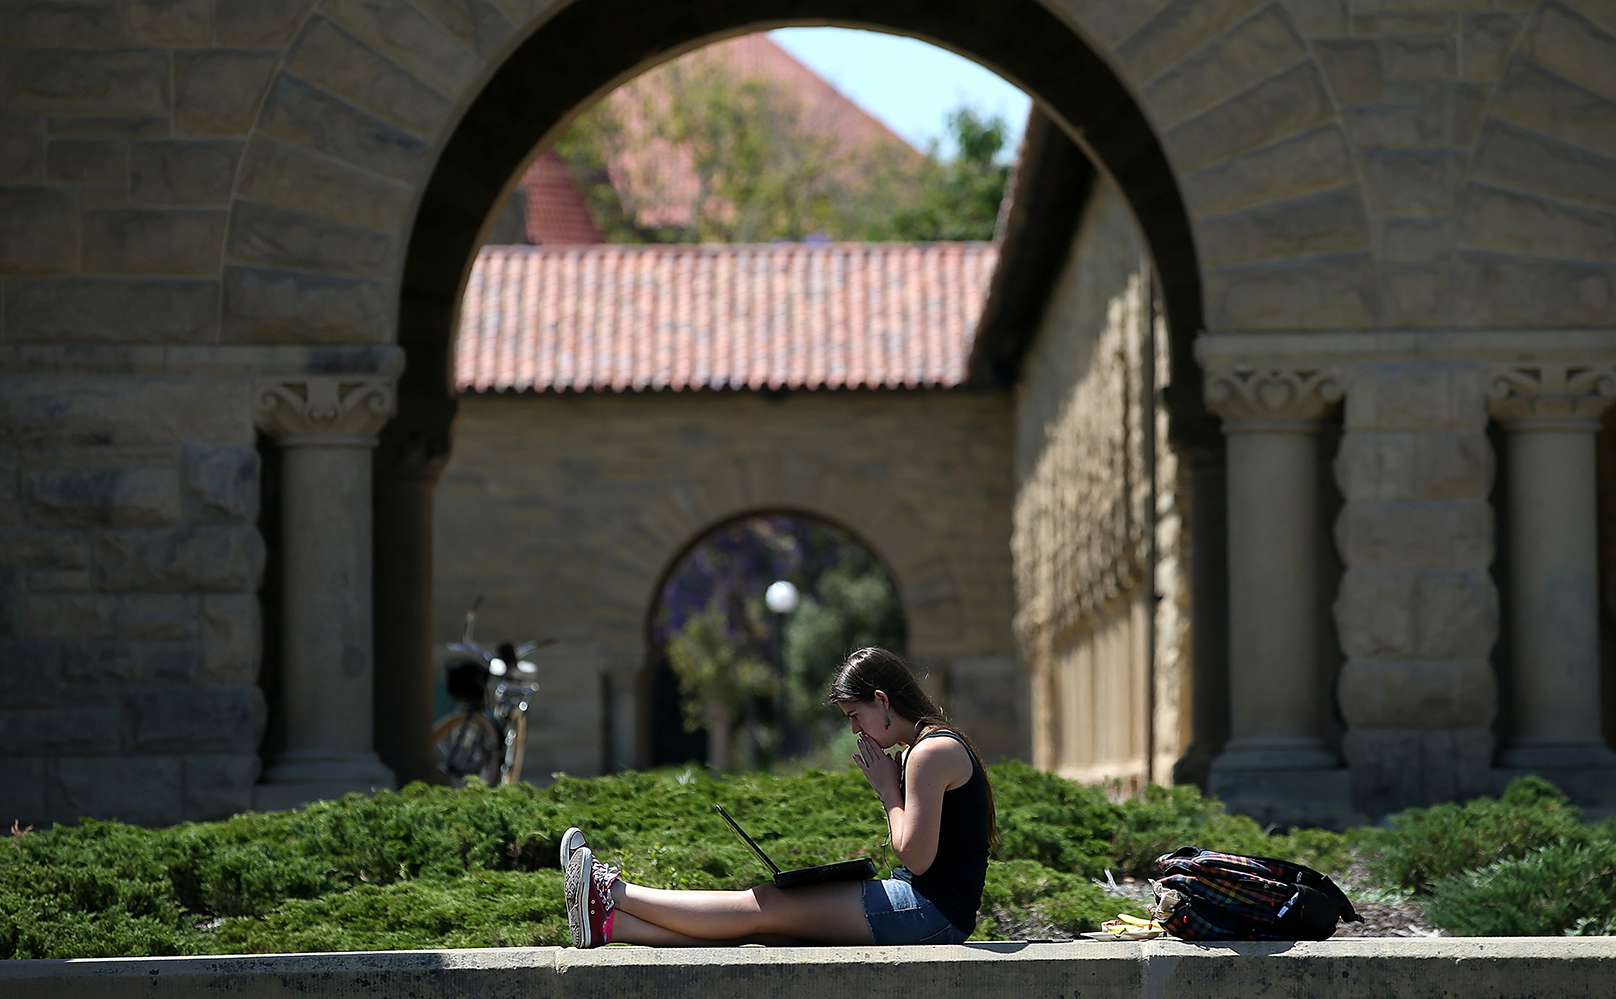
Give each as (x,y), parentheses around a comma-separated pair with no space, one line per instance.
(589,899)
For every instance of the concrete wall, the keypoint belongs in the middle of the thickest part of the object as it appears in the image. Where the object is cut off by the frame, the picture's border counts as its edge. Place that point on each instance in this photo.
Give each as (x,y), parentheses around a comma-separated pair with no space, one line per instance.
(1093,474)
(1508,968)
(565,512)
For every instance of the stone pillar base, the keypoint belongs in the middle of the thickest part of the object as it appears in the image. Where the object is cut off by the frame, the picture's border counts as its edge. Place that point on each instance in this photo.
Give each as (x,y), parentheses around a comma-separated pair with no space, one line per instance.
(1398,768)
(1315,797)
(298,779)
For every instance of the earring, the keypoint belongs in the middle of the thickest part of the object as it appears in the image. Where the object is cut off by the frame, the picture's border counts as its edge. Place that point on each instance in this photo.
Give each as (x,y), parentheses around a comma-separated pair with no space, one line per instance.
(889,721)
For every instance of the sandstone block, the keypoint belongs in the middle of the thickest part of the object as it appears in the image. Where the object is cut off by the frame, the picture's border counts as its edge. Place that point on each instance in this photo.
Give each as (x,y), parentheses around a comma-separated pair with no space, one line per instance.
(10,491)
(62,412)
(22,791)
(162,616)
(1330,222)
(1418,241)
(1496,289)
(258,22)
(1398,395)
(52,22)
(260,234)
(191,718)
(262,305)
(1317,18)
(32,677)
(108,127)
(97,663)
(331,58)
(1545,102)
(1566,42)
(1415,295)
(173,22)
(153,241)
(1417,183)
(38,230)
(217,787)
(1513,222)
(1284,105)
(55,731)
(308,117)
(59,581)
(102,495)
(70,615)
(163,310)
(401,32)
(1398,768)
(1511,156)
(1177,29)
(1334,292)
(478,24)
(87,161)
(1374,613)
(1488,36)
(217,91)
(1456,614)
(1443,693)
(221,484)
(230,638)
(104,81)
(1393,126)
(1437,465)
(1352,68)
(221,559)
(1247,54)
(183,172)
(1415,57)
(286,176)
(22,148)
(44,548)
(143,790)
(1434,534)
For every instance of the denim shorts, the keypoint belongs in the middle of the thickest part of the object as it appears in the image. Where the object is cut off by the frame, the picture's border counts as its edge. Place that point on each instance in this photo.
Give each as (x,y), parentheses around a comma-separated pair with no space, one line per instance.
(898,915)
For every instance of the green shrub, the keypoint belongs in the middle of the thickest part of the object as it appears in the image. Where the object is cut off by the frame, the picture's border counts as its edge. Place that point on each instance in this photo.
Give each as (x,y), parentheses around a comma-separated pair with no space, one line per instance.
(1424,845)
(1024,899)
(1569,888)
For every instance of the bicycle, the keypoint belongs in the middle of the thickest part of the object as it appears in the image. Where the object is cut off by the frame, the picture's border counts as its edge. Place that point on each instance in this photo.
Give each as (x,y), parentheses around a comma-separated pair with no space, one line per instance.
(487,736)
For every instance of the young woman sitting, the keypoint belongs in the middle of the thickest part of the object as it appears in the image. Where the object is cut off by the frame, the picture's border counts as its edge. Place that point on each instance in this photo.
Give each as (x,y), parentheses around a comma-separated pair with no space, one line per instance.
(939,812)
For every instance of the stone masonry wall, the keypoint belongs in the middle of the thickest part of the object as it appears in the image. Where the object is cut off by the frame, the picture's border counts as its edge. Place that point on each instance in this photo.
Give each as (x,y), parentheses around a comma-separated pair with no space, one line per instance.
(1092,506)
(564,512)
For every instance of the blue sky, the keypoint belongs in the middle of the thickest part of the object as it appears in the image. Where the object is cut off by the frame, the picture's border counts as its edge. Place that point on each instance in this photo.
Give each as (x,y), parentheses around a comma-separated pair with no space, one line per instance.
(907,84)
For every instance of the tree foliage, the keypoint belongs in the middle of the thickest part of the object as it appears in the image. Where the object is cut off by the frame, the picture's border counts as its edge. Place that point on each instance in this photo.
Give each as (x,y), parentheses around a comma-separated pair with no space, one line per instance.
(699,154)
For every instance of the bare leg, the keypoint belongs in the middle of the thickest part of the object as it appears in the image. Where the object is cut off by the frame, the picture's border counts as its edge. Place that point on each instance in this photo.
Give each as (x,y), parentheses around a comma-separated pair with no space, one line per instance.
(632,929)
(829,913)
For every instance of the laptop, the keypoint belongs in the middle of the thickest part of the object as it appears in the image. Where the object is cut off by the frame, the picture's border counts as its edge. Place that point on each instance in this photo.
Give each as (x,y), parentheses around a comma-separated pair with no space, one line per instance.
(862,869)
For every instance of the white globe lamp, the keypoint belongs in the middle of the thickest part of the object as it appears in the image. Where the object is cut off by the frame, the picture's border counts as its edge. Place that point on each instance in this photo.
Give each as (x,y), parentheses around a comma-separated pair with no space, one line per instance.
(781,596)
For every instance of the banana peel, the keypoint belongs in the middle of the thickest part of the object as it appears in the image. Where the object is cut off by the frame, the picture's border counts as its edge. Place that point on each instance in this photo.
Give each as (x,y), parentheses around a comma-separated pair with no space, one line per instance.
(1126,927)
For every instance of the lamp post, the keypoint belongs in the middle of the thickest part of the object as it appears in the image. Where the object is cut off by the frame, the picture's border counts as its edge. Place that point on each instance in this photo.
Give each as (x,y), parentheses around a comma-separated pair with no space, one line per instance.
(782,598)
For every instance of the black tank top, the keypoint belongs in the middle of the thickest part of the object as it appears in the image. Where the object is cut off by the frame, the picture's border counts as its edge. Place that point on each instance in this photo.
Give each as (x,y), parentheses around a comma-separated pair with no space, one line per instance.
(953,882)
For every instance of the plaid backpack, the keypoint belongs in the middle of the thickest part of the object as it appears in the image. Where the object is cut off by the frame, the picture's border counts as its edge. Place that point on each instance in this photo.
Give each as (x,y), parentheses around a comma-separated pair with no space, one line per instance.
(1224,896)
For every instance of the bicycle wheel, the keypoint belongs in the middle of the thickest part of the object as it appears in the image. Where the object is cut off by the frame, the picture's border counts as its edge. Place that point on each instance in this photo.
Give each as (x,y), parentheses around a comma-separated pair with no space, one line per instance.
(468,745)
(515,745)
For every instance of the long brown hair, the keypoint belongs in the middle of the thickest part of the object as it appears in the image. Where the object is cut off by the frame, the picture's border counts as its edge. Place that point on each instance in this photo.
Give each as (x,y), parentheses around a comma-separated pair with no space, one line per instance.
(869,670)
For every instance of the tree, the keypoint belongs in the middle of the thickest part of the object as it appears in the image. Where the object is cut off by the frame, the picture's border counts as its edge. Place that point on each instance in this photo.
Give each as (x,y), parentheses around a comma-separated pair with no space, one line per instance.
(694,153)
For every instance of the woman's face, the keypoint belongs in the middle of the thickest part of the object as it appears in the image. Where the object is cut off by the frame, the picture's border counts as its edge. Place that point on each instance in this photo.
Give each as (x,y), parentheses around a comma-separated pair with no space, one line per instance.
(870,718)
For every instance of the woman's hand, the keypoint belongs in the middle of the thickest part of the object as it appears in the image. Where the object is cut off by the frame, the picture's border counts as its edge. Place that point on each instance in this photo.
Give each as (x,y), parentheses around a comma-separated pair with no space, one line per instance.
(880,770)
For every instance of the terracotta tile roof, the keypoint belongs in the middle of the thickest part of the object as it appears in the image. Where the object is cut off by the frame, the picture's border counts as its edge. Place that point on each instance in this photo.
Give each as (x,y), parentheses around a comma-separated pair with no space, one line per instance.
(556,212)
(784,315)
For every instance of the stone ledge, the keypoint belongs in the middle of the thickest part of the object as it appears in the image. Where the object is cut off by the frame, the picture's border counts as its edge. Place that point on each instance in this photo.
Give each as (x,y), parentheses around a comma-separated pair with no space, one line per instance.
(1475,346)
(258,361)
(1498,968)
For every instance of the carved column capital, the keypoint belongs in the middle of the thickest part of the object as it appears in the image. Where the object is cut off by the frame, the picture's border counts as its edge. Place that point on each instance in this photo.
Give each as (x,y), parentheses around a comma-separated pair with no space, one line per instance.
(1550,395)
(324,410)
(1271,399)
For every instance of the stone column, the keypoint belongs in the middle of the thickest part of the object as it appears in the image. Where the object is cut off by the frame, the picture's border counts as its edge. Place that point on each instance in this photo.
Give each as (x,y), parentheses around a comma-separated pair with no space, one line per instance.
(1551,413)
(414,448)
(1275,766)
(326,426)
(1209,607)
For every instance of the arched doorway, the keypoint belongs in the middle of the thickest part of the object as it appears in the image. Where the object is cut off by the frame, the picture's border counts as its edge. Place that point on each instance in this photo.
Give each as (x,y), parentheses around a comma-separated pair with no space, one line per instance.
(735,670)
(587,49)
